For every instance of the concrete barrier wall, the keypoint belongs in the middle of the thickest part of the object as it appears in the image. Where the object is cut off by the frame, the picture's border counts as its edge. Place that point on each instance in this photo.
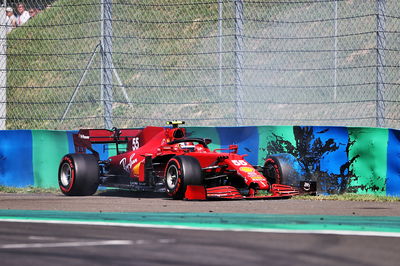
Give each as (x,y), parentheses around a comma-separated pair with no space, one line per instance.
(341,159)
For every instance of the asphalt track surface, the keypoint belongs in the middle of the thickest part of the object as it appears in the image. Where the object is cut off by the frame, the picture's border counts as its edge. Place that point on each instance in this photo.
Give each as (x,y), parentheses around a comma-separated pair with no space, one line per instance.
(217,232)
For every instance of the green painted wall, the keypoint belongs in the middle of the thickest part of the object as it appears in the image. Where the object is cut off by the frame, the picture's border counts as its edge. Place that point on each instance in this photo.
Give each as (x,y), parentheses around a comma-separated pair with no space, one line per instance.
(370,147)
(269,135)
(48,149)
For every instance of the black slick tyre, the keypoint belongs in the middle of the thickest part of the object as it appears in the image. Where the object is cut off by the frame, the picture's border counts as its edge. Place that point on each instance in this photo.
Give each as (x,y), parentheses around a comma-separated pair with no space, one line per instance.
(180,172)
(282,169)
(78,174)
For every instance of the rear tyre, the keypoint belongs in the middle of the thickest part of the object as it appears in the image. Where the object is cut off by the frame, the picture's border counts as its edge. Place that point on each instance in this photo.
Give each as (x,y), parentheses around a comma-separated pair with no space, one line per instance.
(180,172)
(283,169)
(78,174)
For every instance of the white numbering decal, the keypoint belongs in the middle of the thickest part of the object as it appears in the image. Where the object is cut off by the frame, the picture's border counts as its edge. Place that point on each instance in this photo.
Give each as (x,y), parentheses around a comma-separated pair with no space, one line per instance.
(135,144)
(239,162)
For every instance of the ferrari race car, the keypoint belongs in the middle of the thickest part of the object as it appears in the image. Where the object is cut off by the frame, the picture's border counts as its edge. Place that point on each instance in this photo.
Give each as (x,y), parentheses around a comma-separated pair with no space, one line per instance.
(165,159)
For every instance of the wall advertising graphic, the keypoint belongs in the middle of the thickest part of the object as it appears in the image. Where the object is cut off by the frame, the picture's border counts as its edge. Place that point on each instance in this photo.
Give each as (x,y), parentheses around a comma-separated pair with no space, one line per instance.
(340,159)
(318,153)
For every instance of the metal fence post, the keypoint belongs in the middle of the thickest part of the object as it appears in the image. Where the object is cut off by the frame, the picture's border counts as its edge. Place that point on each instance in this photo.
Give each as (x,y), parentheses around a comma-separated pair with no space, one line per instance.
(106,61)
(3,67)
(220,8)
(380,60)
(239,61)
(336,48)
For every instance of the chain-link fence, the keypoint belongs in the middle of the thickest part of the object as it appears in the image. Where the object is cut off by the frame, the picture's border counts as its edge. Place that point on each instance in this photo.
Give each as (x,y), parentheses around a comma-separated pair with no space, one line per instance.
(130,63)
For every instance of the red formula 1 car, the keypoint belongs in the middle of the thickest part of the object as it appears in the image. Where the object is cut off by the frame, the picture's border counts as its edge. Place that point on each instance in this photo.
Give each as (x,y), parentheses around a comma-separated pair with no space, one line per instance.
(165,160)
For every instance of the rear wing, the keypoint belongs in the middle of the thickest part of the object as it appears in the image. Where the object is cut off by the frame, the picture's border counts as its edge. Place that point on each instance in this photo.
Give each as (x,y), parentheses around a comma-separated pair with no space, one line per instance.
(86,137)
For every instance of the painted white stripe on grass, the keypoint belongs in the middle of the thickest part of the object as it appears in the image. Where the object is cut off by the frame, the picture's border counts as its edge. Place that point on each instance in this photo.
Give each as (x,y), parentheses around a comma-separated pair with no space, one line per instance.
(67,244)
(186,227)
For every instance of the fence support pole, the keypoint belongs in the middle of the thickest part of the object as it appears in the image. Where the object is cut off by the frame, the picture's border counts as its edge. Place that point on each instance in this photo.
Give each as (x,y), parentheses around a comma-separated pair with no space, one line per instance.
(106,61)
(3,68)
(239,61)
(78,86)
(380,66)
(336,46)
(220,8)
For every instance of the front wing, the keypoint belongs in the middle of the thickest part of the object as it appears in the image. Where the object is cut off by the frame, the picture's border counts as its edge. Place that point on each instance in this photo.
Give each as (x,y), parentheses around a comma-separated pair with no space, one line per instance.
(277,191)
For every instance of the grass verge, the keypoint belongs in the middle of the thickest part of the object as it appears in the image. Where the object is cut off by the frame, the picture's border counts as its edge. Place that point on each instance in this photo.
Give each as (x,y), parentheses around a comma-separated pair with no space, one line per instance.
(29,189)
(350,197)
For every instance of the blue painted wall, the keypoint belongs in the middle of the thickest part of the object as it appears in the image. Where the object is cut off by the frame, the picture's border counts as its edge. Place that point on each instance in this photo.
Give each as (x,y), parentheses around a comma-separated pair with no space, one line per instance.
(16,167)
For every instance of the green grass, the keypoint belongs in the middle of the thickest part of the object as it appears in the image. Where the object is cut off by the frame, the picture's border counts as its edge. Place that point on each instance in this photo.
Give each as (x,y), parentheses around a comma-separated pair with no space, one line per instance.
(350,197)
(27,190)
(166,54)
(41,84)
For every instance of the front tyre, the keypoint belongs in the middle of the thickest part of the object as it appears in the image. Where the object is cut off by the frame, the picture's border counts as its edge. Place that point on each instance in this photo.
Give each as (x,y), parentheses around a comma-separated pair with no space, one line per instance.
(78,174)
(180,172)
(283,169)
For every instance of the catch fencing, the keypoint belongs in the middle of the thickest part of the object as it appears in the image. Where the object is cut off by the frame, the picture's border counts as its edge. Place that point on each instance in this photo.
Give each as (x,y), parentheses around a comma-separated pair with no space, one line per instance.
(131,63)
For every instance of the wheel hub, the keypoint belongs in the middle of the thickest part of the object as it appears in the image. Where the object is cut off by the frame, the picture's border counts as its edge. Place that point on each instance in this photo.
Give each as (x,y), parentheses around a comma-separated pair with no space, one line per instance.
(65,175)
(172,176)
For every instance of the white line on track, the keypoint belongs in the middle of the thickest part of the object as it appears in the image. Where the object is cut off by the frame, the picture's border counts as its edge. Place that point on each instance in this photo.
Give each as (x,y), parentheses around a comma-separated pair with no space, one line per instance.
(44,238)
(185,227)
(68,244)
